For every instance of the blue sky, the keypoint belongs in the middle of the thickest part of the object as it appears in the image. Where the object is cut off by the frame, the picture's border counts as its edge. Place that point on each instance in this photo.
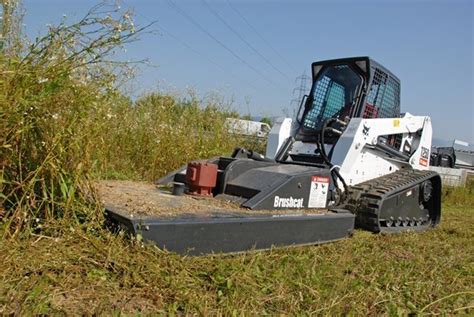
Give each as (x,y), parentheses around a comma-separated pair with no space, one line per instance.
(428,44)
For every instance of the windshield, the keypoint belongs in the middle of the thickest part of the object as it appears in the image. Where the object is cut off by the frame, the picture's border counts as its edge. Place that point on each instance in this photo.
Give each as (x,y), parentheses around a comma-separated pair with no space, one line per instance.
(332,95)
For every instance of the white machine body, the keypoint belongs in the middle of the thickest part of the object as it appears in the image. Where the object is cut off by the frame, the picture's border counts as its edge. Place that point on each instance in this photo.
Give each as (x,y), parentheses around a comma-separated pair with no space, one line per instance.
(360,153)
(281,130)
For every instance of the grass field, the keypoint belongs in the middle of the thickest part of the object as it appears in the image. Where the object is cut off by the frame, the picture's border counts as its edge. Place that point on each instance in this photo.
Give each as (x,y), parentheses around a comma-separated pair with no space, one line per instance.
(96,272)
(65,122)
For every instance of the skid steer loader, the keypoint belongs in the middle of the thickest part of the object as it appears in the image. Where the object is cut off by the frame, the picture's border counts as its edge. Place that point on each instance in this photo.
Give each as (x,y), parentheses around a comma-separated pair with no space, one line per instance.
(349,160)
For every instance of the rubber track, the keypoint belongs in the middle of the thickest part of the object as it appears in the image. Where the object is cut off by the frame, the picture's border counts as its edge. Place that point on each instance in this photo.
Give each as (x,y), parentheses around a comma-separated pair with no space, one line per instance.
(366,199)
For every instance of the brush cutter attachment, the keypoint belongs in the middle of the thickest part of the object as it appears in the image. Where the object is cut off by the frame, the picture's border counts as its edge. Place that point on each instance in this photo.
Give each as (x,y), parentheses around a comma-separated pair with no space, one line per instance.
(350,158)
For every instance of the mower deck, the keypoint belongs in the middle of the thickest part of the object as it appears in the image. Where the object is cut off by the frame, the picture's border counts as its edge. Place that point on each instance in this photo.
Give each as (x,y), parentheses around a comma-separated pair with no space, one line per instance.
(197,225)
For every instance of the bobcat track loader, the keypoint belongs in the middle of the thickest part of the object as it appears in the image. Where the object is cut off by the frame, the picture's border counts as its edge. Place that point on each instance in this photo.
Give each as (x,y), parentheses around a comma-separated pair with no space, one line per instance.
(349,160)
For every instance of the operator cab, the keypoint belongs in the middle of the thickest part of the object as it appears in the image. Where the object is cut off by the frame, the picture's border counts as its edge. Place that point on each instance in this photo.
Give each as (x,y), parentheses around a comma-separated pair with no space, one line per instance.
(347,88)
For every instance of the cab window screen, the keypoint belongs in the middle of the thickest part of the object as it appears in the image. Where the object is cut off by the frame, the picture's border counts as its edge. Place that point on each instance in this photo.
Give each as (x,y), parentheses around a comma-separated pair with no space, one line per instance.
(383,100)
(332,95)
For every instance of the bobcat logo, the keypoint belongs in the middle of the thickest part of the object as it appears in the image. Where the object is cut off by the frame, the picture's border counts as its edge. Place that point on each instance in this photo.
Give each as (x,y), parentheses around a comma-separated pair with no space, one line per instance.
(365,130)
(425,153)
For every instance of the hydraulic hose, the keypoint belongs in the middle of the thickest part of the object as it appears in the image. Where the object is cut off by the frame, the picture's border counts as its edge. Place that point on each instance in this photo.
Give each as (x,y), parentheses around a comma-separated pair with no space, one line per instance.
(322,150)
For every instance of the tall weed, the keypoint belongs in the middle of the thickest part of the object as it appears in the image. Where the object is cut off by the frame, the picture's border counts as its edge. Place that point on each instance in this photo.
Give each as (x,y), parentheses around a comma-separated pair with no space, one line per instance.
(50,97)
(159,133)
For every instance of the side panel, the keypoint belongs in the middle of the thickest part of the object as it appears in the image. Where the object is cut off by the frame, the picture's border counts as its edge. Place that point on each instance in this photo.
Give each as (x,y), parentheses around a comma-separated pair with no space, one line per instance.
(360,160)
(282,129)
(281,186)
(236,235)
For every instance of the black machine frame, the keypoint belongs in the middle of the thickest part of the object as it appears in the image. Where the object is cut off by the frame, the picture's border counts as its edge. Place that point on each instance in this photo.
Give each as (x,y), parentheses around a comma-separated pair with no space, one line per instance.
(228,233)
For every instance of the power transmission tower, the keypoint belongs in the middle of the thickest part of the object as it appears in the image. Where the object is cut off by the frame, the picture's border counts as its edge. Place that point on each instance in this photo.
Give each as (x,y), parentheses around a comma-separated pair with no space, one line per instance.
(303,83)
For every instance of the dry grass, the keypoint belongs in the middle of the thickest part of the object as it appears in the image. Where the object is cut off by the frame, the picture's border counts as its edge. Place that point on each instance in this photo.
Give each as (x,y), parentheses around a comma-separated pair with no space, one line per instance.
(460,196)
(96,272)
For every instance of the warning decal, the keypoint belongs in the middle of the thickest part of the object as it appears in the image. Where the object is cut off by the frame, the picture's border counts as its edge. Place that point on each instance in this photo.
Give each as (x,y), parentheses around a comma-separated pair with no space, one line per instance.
(423,162)
(318,192)
(424,157)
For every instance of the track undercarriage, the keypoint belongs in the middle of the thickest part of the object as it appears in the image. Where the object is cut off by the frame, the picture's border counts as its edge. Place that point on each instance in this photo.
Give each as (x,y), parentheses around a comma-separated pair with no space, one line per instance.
(402,201)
